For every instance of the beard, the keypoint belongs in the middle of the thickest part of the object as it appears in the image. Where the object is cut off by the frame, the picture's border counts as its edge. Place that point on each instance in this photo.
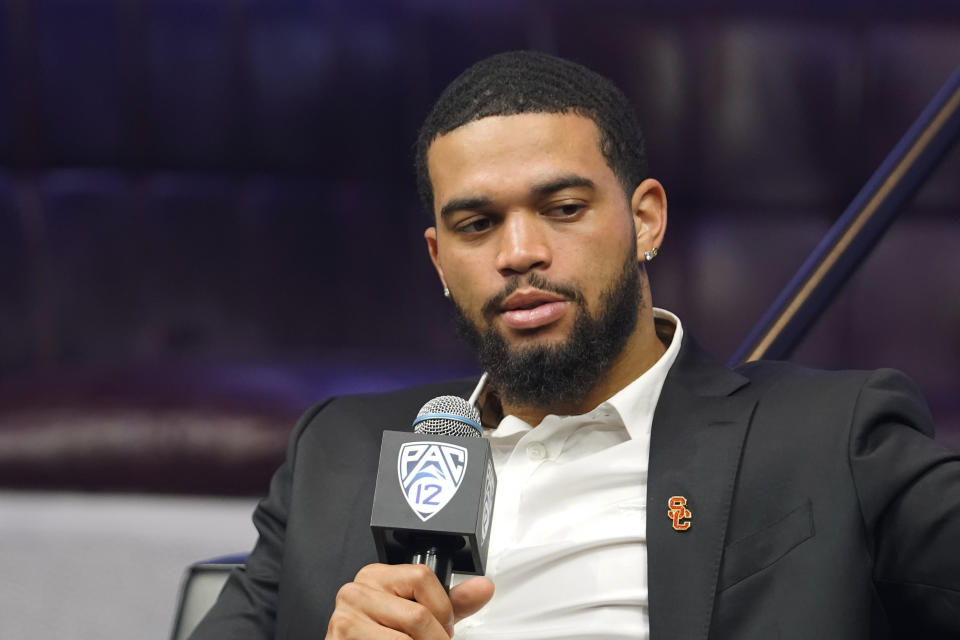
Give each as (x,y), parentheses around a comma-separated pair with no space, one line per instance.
(557,375)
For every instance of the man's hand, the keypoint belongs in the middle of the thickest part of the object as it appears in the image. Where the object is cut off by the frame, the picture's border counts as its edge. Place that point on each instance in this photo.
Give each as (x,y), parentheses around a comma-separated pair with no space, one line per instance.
(403,601)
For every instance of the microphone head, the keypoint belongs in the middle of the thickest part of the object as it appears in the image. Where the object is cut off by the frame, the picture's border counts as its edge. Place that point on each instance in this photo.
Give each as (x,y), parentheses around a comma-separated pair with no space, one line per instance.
(448,416)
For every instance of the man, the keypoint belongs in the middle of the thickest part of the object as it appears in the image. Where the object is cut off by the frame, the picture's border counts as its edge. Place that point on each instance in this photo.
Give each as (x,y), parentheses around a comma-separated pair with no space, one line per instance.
(644,489)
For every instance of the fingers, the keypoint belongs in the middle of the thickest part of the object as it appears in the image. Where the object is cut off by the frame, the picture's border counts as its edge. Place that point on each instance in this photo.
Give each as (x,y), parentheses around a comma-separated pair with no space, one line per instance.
(347,625)
(412,582)
(392,601)
(469,596)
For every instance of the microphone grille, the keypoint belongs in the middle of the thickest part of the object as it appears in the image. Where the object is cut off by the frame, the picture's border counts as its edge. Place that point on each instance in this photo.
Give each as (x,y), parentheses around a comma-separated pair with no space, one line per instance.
(448,416)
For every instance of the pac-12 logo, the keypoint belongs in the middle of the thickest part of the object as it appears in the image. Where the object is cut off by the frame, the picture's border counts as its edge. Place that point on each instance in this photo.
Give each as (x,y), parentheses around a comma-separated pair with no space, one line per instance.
(430,474)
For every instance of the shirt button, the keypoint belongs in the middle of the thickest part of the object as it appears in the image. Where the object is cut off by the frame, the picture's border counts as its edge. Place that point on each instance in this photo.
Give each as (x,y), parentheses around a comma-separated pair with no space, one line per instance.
(536,451)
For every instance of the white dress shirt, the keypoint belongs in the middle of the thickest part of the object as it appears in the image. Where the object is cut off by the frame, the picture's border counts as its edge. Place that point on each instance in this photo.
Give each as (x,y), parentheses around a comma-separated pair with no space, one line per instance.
(568,550)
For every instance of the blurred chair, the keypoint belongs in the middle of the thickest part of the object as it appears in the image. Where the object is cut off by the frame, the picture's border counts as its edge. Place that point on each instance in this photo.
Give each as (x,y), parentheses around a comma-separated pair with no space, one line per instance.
(200,588)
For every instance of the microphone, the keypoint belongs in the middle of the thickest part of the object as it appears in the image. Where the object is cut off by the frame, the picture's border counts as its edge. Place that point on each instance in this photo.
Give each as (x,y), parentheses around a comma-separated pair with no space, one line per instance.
(448,416)
(435,489)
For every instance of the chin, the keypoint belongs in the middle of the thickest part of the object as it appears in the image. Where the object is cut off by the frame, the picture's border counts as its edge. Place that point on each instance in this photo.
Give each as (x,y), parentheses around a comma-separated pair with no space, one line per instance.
(550,336)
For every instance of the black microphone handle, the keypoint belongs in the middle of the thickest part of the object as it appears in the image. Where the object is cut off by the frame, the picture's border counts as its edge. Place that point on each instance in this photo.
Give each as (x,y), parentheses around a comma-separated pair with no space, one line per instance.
(438,559)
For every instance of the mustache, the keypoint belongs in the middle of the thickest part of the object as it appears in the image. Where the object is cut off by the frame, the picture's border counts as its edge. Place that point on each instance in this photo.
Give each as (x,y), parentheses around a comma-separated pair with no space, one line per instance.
(492,306)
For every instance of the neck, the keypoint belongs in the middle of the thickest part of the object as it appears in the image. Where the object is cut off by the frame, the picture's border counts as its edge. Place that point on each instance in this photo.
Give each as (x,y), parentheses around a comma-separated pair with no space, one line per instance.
(641,352)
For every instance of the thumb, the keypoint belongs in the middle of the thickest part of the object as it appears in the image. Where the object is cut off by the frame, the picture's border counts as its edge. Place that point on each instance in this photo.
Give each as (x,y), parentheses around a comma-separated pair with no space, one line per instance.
(469,596)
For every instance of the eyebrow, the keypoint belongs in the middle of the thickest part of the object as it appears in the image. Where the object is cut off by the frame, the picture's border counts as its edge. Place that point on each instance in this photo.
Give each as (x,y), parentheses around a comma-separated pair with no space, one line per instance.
(570,181)
(464,204)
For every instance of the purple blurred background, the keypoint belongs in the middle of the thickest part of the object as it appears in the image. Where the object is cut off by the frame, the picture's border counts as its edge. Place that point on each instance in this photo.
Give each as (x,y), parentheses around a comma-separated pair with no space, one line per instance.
(208,218)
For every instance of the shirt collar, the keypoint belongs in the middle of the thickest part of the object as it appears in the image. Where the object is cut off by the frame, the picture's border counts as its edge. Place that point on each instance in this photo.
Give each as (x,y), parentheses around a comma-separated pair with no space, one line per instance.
(636,402)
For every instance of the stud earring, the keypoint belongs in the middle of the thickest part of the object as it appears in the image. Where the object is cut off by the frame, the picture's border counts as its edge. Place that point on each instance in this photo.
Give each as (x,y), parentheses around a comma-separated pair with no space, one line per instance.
(446,293)
(651,254)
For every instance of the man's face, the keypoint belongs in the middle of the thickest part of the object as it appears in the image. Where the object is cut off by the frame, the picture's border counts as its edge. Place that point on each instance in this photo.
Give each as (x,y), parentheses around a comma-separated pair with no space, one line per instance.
(534,235)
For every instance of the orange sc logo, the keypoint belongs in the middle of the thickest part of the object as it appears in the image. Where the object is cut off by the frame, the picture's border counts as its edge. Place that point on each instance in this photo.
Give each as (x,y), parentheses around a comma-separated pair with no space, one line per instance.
(678,511)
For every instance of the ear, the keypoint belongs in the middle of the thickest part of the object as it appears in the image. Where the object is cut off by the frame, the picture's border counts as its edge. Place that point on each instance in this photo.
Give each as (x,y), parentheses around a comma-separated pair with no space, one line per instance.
(430,235)
(649,207)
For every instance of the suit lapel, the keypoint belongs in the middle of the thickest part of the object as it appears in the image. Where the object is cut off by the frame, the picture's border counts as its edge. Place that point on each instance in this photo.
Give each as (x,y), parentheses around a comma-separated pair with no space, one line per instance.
(698,432)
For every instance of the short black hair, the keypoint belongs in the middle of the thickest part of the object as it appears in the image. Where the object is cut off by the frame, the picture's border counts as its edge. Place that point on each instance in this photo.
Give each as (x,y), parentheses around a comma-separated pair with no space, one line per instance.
(531,82)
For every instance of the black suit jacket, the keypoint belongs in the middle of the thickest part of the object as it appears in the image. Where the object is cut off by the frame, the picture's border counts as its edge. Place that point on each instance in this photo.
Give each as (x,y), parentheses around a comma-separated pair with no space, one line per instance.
(821,508)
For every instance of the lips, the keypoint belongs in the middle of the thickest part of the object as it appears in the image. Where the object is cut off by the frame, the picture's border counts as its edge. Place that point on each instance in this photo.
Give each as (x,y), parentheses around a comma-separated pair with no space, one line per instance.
(532,308)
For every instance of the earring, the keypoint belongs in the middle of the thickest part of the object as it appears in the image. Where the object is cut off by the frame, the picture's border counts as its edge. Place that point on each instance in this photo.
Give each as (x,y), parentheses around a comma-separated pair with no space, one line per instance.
(446,293)
(651,254)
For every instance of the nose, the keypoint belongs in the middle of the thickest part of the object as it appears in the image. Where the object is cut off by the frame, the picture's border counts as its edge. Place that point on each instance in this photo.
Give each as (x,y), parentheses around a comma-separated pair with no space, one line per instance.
(523,245)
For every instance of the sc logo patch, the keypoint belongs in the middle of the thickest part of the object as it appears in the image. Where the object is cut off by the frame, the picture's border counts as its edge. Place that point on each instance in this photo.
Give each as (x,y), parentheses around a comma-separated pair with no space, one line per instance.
(430,474)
